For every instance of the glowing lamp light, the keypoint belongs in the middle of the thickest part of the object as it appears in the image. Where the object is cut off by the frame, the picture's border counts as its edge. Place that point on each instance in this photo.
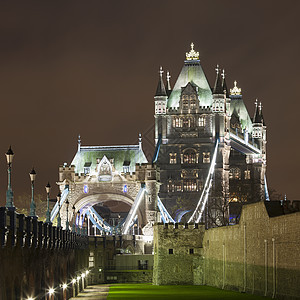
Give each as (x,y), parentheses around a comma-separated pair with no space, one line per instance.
(78,278)
(30,298)
(73,280)
(51,291)
(64,286)
(83,275)
(85,189)
(87,272)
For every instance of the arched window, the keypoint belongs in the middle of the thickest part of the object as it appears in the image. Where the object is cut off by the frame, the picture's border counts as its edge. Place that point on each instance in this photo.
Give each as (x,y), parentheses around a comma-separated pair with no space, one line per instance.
(104,170)
(189,156)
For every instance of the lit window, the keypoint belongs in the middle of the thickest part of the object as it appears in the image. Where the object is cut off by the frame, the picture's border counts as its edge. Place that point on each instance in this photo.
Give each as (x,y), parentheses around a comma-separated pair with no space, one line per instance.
(171,187)
(201,122)
(177,122)
(126,166)
(189,157)
(173,158)
(189,185)
(87,168)
(193,104)
(247,174)
(178,187)
(206,157)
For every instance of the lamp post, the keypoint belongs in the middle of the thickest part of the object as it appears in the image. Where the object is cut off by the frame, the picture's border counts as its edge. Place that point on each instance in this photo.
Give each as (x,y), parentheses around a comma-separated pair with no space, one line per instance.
(74,220)
(85,225)
(78,218)
(67,221)
(58,217)
(9,194)
(48,188)
(32,175)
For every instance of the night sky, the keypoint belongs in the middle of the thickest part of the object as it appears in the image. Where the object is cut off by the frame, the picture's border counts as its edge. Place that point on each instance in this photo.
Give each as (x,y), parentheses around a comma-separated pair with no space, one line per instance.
(91,68)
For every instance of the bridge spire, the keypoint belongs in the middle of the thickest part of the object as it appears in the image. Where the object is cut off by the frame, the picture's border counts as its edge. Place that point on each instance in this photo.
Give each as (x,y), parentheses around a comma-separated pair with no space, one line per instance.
(218,83)
(140,141)
(161,90)
(256,117)
(261,114)
(79,142)
(224,85)
(169,89)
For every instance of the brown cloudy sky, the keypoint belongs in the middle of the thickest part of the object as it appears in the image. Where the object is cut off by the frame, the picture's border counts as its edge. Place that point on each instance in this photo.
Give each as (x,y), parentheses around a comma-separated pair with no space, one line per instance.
(90,67)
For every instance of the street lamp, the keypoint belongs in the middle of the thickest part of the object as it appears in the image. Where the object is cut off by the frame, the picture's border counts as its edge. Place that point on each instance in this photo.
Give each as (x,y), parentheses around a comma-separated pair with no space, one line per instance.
(58,197)
(48,188)
(74,220)
(67,221)
(32,175)
(78,218)
(9,194)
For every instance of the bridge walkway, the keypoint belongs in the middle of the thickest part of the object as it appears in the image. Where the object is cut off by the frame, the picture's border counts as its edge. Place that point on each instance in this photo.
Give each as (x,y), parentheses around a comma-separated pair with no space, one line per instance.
(93,292)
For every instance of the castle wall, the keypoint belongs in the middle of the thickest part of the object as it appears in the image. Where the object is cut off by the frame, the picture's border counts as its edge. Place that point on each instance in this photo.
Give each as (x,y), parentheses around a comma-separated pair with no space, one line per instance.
(260,255)
(177,252)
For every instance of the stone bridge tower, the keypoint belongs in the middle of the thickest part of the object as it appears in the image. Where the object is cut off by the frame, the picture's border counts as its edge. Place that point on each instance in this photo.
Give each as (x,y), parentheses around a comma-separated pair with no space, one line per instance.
(189,119)
(110,180)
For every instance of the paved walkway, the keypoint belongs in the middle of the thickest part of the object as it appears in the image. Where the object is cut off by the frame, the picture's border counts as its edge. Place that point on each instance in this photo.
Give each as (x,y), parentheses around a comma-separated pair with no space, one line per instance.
(93,292)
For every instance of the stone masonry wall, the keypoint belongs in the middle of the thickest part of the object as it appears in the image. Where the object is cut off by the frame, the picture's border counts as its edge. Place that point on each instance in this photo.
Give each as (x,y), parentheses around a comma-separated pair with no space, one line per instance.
(260,255)
(177,252)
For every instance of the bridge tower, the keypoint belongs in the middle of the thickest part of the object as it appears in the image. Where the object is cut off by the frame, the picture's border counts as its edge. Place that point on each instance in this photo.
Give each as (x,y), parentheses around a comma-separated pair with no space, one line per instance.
(111,190)
(187,128)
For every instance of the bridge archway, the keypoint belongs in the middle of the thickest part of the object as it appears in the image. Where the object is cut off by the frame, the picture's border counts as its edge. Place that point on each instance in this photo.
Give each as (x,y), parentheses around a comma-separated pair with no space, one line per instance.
(104,198)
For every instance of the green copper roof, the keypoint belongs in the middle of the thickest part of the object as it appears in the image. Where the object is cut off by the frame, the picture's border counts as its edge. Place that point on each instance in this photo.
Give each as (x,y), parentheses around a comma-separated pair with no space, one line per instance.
(130,154)
(191,72)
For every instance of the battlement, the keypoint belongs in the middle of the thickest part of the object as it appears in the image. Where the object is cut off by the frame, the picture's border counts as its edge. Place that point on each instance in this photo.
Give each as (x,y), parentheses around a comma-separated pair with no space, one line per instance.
(63,168)
(66,173)
(145,171)
(179,226)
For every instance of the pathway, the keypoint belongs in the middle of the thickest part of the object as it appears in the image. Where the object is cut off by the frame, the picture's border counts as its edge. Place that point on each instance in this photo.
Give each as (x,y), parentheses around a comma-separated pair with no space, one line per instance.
(93,292)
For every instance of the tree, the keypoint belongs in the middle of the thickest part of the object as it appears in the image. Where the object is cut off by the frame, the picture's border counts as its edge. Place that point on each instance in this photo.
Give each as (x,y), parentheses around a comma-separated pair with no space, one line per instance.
(22,204)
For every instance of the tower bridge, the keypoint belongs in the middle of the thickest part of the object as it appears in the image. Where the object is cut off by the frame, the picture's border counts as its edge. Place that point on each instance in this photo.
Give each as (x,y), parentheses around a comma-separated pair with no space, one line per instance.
(209,152)
(210,155)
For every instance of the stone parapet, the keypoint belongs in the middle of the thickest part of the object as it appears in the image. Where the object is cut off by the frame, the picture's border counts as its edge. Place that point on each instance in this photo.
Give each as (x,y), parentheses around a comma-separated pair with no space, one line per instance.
(18,230)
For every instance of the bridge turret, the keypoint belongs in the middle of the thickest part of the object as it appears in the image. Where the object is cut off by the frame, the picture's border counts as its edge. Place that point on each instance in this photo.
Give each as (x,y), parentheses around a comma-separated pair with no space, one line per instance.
(221,104)
(160,107)
(66,173)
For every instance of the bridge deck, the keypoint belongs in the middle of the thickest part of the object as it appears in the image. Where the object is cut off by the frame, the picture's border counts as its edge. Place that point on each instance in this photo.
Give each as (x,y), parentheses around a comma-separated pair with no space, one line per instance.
(93,292)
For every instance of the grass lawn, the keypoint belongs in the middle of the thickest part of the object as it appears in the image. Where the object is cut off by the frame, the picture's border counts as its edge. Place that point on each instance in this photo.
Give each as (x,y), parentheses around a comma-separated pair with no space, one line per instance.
(149,291)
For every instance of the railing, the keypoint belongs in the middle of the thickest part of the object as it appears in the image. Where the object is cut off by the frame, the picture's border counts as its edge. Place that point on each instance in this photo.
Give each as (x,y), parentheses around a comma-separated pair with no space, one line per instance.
(165,216)
(253,147)
(64,196)
(97,220)
(18,230)
(132,213)
(197,214)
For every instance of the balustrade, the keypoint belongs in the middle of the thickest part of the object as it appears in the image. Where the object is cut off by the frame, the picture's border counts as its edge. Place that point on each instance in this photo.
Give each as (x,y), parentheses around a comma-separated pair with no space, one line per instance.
(18,230)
